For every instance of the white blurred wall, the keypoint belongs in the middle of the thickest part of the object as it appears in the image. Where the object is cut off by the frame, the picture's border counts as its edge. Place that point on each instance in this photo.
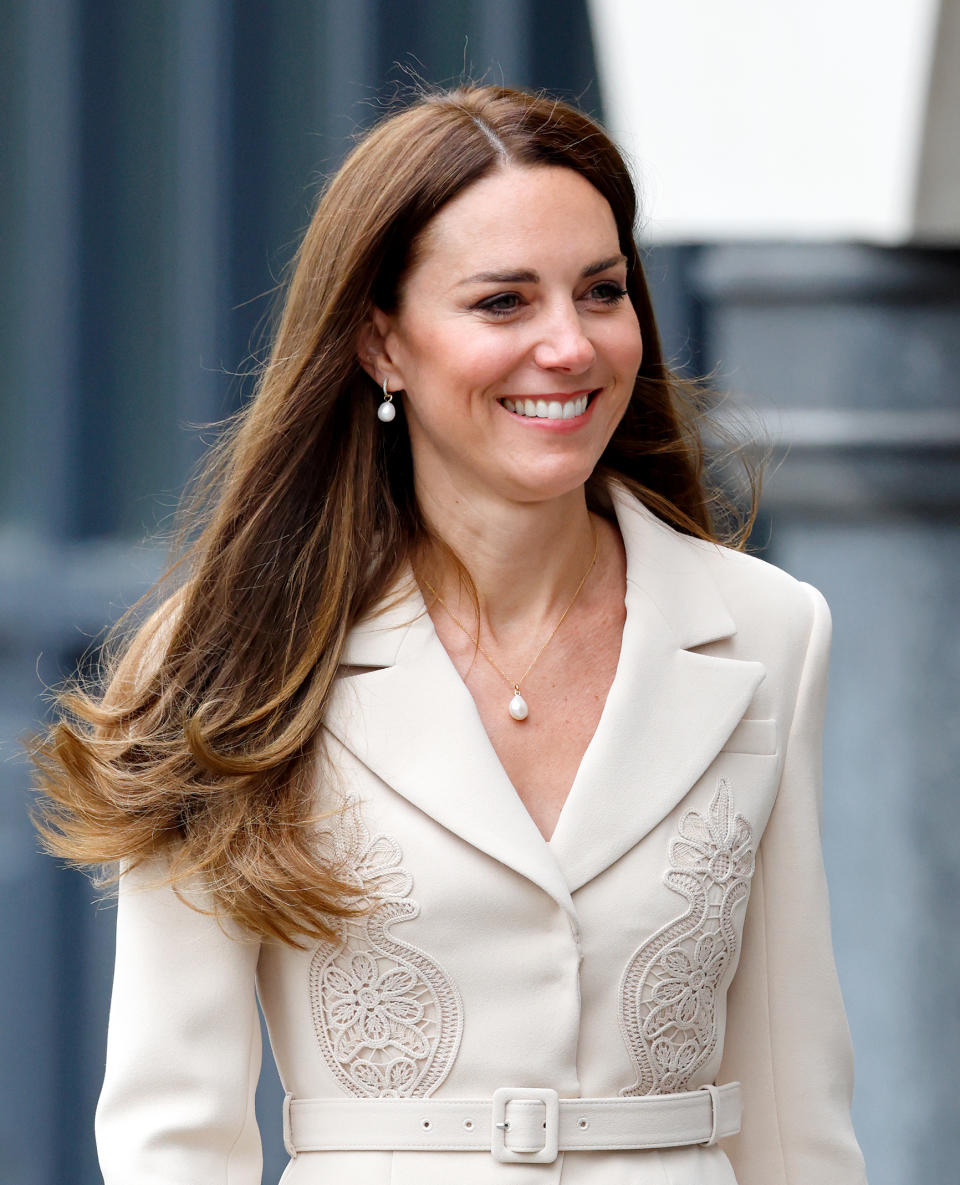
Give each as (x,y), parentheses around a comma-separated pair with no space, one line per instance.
(761,119)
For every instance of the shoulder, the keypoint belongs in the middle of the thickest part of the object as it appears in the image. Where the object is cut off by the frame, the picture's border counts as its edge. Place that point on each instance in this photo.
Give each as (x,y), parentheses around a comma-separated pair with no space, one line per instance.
(764,607)
(779,620)
(752,586)
(774,619)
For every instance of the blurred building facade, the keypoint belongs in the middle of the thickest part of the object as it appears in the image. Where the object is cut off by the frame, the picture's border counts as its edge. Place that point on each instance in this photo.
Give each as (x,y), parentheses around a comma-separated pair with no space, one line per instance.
(163,158)
(802,162)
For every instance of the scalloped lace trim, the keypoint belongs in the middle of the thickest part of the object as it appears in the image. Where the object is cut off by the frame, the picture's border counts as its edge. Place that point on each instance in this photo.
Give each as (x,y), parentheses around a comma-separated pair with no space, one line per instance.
(671,987)
(387,1017)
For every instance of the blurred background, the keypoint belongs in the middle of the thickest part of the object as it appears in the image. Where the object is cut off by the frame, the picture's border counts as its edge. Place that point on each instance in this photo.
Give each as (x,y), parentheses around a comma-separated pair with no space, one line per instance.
(801,175)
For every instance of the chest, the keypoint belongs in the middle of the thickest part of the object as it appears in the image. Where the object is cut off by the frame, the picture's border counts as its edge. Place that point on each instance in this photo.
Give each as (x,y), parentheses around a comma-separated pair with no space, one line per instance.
(565,693)
(468,970)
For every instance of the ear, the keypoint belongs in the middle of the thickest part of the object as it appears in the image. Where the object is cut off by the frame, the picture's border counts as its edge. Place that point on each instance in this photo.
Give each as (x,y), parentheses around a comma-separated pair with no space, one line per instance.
(375,351)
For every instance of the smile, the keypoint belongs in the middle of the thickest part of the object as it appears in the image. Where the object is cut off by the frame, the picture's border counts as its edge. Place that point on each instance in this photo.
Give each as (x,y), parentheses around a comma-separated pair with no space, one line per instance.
(549,409)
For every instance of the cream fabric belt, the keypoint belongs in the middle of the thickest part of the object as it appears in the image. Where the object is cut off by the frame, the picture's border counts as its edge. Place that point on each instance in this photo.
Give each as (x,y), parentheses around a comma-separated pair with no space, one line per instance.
(518,1125)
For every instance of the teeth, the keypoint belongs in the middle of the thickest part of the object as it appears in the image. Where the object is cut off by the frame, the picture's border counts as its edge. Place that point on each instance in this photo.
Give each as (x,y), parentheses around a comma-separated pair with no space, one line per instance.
(543,409)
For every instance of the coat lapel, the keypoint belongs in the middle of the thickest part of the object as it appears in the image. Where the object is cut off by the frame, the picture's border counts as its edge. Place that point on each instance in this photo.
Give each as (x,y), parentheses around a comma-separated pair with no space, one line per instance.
(410,719)
(670,709)
(414,724)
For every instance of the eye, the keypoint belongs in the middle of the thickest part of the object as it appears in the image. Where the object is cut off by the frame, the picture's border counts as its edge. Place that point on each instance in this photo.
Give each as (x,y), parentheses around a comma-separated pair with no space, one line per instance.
(501,305)
(607,292)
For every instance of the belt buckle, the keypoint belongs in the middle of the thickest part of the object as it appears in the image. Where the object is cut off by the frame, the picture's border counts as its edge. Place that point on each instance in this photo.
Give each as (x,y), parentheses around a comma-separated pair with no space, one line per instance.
(551,1127)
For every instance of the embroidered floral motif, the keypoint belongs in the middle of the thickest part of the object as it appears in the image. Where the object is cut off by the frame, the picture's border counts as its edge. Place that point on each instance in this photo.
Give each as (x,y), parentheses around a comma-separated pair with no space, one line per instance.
(670,988)
(387,1018)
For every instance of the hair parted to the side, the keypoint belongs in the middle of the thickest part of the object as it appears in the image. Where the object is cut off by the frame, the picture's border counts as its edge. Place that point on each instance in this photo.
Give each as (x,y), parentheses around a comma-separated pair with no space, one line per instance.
(203,747)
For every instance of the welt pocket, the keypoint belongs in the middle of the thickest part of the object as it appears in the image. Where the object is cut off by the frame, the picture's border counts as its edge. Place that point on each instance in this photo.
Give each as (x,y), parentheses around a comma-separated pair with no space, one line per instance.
(753,736)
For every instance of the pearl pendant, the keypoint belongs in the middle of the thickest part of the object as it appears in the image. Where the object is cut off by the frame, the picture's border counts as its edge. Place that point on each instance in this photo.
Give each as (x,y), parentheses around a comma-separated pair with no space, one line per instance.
(386,412)
(518,706)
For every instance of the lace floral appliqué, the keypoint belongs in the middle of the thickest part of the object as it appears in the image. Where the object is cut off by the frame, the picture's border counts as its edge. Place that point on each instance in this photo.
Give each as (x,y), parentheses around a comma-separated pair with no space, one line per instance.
(670,989)
(388,1019)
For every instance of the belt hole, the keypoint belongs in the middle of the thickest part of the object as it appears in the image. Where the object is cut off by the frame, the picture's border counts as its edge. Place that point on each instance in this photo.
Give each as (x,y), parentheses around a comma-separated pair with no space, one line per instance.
(468,1124)
(425,1124)
(583,1124)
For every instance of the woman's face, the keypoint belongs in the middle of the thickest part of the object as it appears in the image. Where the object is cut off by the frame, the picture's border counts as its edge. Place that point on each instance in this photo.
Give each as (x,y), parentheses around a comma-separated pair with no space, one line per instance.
(514,340)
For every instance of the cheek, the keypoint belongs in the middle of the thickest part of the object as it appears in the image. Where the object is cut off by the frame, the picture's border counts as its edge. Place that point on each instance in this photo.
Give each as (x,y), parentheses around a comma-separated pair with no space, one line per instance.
(462,360)
(632,345)
(624,350)
(630,358)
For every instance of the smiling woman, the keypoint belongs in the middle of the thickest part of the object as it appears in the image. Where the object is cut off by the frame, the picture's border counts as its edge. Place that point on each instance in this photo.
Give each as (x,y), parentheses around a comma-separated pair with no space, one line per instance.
(525,315)
(465,743)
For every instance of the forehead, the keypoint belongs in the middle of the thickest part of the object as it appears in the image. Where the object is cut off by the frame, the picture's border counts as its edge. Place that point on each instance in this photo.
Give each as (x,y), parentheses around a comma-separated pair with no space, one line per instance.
(518,216)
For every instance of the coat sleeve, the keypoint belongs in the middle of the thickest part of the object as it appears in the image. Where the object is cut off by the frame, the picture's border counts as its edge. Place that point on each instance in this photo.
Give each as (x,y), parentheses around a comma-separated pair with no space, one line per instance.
(183,1049)
(787,1040)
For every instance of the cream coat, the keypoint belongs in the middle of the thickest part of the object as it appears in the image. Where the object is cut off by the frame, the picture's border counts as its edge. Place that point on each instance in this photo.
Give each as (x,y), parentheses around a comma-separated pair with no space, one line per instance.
(624,956)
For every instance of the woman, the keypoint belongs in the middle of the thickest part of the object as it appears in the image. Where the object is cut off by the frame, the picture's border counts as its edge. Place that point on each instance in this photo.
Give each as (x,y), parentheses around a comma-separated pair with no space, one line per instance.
(464,744)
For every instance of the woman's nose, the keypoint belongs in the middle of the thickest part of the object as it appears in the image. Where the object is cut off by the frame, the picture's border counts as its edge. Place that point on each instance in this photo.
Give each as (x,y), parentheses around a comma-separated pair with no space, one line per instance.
(563,345)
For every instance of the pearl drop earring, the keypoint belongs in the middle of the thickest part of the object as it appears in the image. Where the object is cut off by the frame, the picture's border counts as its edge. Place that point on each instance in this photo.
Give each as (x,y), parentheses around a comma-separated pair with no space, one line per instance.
(386,411)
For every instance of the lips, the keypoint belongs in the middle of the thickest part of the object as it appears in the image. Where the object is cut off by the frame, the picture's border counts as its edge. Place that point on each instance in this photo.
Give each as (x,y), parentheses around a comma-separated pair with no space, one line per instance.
(549,409)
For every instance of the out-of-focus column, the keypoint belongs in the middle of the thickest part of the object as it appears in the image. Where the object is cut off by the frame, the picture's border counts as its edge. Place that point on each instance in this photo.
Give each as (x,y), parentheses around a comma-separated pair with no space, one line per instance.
(851,354)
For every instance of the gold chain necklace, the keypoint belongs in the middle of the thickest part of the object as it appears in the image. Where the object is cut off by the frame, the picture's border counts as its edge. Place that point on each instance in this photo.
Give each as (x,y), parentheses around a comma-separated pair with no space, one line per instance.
(517,707)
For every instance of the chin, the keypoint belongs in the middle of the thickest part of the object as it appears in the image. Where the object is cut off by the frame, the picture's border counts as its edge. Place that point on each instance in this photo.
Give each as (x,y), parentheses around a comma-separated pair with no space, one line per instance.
(544,487)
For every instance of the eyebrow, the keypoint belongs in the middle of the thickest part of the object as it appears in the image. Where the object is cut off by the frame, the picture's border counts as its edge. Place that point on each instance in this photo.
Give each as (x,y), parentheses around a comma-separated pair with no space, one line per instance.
(530,277)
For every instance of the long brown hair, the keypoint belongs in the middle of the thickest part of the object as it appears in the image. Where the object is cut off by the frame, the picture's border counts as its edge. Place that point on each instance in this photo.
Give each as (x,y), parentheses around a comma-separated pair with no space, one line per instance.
(203,749)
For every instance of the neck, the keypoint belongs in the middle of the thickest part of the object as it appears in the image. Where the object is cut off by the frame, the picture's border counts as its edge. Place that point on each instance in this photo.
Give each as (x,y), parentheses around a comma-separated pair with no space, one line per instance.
(525,559)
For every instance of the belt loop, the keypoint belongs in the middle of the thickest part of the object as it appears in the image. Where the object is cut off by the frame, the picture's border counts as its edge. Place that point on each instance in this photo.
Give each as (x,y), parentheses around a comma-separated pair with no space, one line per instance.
(287,1128)
(714,1113)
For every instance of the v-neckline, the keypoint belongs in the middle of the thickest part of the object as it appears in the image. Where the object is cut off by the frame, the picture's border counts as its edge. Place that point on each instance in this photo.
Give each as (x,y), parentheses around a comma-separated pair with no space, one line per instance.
(454,673)
(602,722)
(411,721)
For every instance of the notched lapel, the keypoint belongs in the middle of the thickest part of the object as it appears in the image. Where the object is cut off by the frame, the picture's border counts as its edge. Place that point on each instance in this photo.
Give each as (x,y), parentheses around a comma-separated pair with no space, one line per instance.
(415,725)
(411,720)
(670,709)
(653,743)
